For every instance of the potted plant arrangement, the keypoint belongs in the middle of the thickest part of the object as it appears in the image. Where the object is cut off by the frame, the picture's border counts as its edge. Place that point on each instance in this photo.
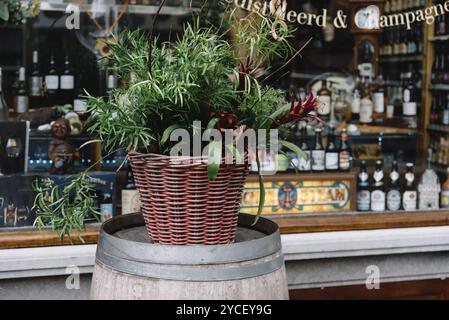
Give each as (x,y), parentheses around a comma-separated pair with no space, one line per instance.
(209,80)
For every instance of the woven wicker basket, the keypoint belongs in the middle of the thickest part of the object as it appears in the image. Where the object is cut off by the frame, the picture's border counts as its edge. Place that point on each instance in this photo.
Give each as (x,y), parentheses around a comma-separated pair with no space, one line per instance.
(181,206)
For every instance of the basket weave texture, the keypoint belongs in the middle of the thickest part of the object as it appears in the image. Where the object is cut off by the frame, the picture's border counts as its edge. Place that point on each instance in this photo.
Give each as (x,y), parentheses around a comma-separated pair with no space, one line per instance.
(181,206)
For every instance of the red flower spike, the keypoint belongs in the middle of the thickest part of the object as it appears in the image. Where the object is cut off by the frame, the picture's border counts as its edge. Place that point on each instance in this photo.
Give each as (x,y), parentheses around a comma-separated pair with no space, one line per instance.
(300,112)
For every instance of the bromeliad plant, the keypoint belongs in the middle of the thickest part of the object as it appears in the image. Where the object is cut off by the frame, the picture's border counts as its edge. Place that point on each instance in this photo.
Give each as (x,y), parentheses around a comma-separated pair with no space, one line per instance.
(201,76)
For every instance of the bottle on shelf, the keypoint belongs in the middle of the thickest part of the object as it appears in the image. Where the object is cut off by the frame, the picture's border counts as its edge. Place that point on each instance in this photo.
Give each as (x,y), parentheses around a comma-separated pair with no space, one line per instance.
(67,83)
(355,105)
(394,189)
(318,153)
(331,157)
(21,100)
(379,97)
(409,106)
(409,196)
(52,83)
(324,97)
(378,188)
(305,164)
(366,107)
(35,83)
(4,110)
(130,195)
(344,152)
(363,189)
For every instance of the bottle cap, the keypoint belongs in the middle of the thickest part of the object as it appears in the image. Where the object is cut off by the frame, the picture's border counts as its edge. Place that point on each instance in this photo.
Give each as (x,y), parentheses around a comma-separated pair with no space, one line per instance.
(409,165)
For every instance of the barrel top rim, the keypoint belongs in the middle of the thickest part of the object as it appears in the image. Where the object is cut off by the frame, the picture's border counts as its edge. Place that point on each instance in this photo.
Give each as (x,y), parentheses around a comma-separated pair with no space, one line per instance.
(188,254)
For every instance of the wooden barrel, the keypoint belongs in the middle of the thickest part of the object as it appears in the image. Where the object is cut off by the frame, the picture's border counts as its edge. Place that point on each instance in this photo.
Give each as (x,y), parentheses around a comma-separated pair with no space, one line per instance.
(129,266)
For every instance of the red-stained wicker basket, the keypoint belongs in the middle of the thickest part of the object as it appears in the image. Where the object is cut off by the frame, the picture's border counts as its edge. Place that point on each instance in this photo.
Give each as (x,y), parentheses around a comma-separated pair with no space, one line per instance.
(181,206)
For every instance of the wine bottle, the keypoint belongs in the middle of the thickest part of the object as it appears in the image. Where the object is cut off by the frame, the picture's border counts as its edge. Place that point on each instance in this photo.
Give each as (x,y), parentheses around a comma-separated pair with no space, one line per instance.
(318,153)
(378,192)
(344,152)
(409,106)
(394,192)
(379,97)
(21,100)
(67,82)
(363,188)
(355,106)
(331,157)
(366,107)
(409,197)
(35,83)
(52,83)
(130,195)
(324,100)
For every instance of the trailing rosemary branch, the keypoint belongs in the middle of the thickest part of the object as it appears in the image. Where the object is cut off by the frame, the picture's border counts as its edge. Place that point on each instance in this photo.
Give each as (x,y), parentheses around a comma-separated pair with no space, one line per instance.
(65,208)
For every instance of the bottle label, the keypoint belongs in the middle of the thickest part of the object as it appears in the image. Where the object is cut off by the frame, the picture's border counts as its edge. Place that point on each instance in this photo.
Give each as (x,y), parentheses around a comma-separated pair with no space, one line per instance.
(409,200)
(79,105)
(130,201)
(106,211)
(331,161)
(406,95)
(379,102)
(445,199)
(67,82)
(394,176)
(446,116)
(378,200)
(52,82)
(409,108)
(324,105)
(378,175)
(318,160)
(394,200)
(35,86)
(363,200)
(355,108)
(344,162)
(305,164)
(366,111)
(410,177)
(22,104)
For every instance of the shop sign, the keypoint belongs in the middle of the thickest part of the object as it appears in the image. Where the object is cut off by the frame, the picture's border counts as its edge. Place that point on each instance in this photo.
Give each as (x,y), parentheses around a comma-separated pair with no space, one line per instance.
(290,197)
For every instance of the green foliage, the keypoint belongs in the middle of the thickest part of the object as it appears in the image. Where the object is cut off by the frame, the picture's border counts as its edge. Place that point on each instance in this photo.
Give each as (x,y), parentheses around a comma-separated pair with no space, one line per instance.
(18,11)
(66,208)
(185,81)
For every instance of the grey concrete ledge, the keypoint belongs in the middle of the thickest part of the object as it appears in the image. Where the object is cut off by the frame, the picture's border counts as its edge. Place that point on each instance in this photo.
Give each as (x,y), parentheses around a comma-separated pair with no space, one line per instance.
(324,245)
(312,259)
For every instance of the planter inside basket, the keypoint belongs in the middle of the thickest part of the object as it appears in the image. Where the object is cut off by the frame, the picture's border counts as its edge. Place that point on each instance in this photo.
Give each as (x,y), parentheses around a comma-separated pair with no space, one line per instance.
(181,205)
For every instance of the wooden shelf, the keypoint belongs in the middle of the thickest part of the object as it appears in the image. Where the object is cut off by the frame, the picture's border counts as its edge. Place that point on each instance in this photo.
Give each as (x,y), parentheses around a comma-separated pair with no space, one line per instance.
(438,128)
(395,59)
(372,129)
(439,87)
(302,223)
(35,238)
(439,38)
